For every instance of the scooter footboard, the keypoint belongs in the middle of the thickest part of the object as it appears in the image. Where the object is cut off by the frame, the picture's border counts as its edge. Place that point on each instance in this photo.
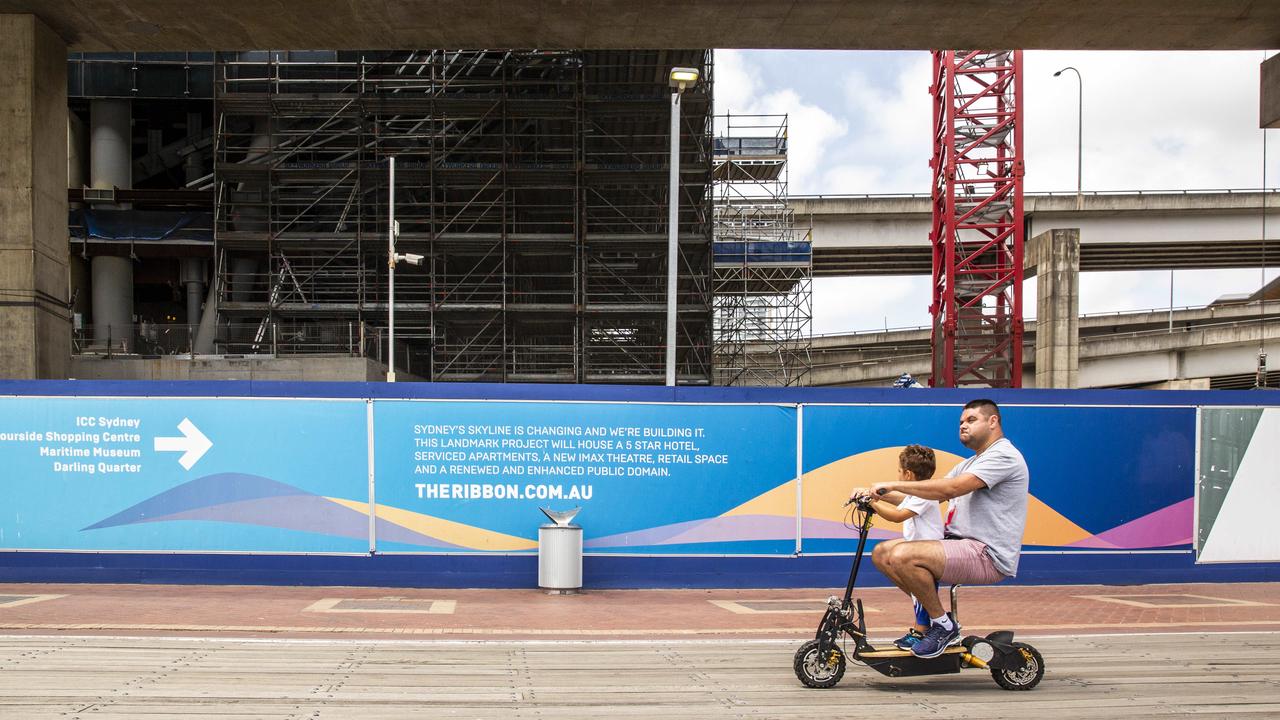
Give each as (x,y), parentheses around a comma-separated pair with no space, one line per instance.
(905,664)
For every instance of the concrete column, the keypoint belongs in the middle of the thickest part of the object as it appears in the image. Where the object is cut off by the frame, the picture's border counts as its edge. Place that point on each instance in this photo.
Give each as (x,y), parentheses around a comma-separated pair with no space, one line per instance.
(1055,257)
(191,271)
(1269,106)
(35,326)
(111,144)
(113,302)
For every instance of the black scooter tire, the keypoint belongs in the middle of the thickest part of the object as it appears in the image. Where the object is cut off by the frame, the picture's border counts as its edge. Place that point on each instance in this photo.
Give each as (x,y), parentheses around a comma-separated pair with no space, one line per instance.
(1025,678)
(808,669)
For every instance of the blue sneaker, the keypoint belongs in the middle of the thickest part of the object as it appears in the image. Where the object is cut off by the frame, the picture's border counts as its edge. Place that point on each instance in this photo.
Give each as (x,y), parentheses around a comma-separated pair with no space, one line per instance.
(908,641)
(936,640)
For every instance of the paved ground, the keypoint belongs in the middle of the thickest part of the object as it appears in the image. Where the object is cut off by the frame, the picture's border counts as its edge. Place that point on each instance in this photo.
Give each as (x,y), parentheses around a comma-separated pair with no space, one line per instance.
(285,679)
(242,611)
(129,651)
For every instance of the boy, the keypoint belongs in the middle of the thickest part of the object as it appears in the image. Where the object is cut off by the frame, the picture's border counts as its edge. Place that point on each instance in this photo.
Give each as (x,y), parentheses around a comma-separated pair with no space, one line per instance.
(921,519)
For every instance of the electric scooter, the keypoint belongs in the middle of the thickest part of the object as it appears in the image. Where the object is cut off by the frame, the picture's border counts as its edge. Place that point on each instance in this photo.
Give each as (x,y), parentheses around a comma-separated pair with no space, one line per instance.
(820,662)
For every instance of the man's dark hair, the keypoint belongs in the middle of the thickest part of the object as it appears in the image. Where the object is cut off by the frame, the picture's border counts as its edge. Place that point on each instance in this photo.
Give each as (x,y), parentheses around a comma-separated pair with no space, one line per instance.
(988,407)
(919,460)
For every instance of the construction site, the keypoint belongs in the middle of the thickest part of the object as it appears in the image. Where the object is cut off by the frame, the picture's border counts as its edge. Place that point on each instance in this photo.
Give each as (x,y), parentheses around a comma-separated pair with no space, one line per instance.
(234,215)
(238,205)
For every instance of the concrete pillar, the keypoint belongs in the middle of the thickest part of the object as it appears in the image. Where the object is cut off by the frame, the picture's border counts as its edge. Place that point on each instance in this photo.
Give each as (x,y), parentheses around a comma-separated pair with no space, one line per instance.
(35,326)
(111,166)
(113,302)
(1055,257)
(191,271)
(1269,106)
(111,144)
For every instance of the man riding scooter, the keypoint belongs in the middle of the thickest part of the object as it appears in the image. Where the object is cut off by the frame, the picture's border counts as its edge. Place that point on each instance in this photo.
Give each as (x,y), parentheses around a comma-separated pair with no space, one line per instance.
(985,523)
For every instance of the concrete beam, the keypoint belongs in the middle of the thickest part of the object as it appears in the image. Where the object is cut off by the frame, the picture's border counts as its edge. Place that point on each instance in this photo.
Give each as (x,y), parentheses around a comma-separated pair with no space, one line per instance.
(1054,256)
(35,327)
(839,24)
(1269,107)
(888,235)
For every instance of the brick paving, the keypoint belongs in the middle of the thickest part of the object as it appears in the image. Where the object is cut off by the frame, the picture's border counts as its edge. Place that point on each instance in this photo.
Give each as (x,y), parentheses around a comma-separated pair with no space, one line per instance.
(641,614)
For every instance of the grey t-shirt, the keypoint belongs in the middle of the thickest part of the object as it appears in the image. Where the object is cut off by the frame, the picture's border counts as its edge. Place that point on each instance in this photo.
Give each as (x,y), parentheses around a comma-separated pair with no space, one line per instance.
(995,515)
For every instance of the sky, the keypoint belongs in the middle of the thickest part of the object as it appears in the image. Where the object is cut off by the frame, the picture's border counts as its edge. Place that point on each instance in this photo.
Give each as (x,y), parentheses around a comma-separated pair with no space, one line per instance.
(858,122)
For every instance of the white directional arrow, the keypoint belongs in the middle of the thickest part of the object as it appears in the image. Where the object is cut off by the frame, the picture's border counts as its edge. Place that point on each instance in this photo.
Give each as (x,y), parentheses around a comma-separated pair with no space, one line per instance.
(193,445)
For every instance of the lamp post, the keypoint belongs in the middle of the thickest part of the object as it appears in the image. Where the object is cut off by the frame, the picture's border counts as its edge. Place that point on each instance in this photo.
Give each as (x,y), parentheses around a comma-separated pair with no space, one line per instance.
(393,231)
(391,269)
(1079,132)
(681,77)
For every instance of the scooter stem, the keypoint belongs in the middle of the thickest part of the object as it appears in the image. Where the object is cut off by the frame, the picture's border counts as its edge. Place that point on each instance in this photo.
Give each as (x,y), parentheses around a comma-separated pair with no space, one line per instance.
(863,531)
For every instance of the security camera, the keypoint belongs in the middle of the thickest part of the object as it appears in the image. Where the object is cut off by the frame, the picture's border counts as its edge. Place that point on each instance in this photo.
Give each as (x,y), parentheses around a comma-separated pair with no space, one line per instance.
(411,258)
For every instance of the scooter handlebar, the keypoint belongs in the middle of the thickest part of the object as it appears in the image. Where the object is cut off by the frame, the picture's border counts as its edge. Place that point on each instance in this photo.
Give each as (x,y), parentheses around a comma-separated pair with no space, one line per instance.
(880,492)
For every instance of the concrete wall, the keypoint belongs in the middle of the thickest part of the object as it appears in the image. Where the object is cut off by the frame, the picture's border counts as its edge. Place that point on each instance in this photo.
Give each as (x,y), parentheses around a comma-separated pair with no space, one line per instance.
(175,367)
(35,329)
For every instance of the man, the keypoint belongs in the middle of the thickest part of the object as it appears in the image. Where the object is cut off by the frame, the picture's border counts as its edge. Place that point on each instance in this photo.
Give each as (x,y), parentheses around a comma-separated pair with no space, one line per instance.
(988,494)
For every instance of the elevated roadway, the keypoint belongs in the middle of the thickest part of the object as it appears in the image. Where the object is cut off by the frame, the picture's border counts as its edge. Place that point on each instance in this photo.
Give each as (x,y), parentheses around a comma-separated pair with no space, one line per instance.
(1209,347)
(889,234)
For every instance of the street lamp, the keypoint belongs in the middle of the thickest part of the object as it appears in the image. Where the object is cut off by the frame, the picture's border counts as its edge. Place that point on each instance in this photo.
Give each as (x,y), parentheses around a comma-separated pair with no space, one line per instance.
(1079,132)
(393,231)
(681,77)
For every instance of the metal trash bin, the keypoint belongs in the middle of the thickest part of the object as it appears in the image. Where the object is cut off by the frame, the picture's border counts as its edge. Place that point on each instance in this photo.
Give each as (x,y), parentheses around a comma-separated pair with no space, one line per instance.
(560,553)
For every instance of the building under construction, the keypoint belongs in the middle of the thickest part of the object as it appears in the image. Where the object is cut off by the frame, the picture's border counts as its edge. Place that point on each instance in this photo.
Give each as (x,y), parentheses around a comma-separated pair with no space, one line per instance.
(239,205)
(533,183)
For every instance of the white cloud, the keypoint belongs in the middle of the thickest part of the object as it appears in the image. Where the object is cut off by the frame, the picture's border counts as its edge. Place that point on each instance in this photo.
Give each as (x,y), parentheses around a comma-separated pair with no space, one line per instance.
(889,148)
(811,129)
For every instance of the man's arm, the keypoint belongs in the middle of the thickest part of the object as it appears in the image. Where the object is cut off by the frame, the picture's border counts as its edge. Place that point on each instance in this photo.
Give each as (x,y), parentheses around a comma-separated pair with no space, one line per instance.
(940,489)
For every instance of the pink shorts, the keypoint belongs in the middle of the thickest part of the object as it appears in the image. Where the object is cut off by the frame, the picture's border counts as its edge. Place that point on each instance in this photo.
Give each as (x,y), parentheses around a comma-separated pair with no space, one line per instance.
(967,563)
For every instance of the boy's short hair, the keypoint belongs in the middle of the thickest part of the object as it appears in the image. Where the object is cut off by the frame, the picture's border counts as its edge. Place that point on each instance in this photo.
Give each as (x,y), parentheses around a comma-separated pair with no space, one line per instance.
(919,460)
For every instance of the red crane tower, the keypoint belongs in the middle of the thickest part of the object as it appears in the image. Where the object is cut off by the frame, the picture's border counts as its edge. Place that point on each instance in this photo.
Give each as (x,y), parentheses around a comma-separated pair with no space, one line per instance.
(977,232)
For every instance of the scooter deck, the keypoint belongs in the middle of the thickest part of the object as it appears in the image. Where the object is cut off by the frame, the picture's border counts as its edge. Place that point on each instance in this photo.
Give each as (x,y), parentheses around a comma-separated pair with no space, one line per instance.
(896,653)
(902,663)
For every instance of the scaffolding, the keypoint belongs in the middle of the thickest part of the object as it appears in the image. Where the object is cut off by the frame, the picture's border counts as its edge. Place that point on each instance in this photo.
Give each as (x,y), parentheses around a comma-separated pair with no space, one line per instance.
(535,184)
(763,263)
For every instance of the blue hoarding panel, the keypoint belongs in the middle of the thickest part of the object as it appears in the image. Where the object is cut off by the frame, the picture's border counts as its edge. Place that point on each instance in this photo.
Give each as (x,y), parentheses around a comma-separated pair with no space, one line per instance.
(651,478)
(1116,478)
(183,474)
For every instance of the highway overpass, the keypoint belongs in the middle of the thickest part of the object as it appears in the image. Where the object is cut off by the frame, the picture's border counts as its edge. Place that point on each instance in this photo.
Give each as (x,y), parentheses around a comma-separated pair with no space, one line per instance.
(148,25)
(1205,347)
(889,234)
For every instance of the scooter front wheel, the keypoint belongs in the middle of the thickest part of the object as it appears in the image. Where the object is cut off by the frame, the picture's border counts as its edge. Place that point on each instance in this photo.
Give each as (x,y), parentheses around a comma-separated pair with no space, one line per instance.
(1025,677)
(815,670)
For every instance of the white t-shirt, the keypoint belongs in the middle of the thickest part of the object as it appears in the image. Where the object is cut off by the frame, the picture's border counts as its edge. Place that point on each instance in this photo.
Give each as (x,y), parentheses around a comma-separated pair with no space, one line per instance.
(927,524)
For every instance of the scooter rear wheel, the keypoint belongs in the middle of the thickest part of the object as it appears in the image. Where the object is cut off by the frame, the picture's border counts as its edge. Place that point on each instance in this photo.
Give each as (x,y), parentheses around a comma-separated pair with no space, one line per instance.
(816,671)
(1026,677)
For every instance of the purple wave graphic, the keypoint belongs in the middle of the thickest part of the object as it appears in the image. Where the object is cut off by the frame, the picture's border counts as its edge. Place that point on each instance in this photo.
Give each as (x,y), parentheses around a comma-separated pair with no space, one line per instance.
(1163,528)
(200,493)
(731,528)
(254,500)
